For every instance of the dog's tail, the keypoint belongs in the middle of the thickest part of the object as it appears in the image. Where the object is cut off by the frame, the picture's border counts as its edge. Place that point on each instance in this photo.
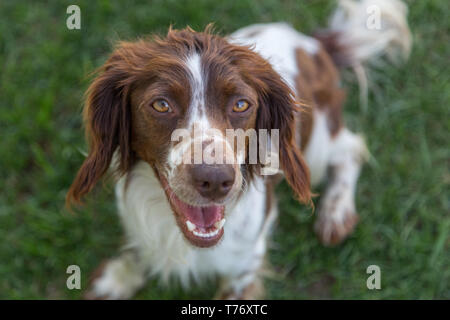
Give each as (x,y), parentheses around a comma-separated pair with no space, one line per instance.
(366,33)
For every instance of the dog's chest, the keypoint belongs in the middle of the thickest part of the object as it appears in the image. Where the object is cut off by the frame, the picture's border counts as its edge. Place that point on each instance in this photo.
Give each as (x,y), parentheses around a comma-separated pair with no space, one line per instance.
(151,229)
(244,234)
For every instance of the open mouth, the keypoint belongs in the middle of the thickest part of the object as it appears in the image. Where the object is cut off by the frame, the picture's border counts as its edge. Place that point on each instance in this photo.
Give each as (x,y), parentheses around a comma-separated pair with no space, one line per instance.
(201,225)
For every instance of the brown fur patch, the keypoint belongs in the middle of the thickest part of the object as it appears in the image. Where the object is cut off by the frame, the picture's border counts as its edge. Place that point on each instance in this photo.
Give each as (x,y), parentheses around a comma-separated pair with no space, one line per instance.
(318,87)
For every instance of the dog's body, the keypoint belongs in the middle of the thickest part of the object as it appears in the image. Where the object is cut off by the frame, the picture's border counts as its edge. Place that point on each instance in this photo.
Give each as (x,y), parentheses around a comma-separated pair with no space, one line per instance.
(155,245)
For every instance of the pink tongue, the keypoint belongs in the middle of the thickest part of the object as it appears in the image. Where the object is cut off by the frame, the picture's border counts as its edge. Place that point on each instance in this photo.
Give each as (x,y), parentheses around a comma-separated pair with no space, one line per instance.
(201,216)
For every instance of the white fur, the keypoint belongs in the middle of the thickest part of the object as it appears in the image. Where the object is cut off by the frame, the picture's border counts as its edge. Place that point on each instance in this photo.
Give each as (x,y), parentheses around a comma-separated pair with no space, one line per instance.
(198,123)
(318,148)
(152,231)
(196,113)
(120,279)
(199,128)
(277,43)
(197,83)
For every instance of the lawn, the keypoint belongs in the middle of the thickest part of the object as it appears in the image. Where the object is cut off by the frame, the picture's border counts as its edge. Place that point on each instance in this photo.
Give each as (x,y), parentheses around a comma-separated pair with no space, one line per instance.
(402,198)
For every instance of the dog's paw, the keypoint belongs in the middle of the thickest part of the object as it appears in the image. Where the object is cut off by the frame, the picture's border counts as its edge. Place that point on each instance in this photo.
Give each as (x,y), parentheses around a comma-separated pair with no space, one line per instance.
(253,291)
(336,219)
(114,280)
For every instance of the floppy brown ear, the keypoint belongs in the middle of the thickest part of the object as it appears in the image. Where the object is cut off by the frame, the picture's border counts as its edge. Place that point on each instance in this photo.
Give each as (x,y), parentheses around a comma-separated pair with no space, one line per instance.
(276,111)
(107,122)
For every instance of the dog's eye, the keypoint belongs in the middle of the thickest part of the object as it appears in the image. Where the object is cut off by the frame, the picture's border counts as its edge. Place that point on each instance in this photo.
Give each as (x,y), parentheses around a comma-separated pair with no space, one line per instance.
(161,105)
(241,106)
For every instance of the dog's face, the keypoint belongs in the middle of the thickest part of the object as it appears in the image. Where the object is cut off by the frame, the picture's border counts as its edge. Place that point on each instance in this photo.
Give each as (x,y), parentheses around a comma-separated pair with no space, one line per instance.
(171,102)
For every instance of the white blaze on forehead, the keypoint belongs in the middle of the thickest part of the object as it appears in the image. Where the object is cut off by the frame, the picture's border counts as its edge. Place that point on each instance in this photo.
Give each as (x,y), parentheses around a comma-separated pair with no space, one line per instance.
(195,113)
(198,127)
(197,82)
(198,130)
(198,119)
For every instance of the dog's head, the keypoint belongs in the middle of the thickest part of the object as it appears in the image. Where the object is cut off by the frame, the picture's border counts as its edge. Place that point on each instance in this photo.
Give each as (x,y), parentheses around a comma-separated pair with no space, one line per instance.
(172,102)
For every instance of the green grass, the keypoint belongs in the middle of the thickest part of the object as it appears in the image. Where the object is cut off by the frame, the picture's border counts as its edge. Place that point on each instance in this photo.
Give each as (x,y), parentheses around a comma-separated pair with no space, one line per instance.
(403,193)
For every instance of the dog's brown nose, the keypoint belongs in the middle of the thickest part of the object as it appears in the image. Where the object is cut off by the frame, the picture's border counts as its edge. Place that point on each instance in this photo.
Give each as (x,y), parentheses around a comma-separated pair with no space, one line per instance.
(213,181)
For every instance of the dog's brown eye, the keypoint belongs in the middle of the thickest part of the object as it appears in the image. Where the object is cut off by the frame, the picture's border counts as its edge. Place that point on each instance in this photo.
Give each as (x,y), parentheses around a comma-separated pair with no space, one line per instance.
(161,105)
(241,106)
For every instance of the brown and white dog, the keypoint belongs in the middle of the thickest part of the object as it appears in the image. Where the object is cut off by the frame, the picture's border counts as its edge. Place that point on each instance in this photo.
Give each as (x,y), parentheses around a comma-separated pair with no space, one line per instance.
(194,221)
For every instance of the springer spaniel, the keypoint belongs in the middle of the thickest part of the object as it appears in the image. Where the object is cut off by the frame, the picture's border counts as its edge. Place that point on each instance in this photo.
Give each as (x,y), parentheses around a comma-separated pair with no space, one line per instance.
(197,219)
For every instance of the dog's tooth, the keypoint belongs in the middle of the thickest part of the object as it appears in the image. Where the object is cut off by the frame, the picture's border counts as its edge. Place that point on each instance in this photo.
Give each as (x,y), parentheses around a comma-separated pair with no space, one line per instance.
(190,225)
(206,235)
(219,224)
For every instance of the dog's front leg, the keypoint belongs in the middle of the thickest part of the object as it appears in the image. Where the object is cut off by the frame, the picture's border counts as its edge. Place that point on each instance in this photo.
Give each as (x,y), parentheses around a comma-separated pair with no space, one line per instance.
(248,283)
(118,278)
(247,286)
(337,214)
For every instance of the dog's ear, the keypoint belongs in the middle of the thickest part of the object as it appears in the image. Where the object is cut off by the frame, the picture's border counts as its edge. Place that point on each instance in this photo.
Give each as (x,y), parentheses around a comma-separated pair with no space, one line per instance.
(276,111)
(277,108)
(107,121)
